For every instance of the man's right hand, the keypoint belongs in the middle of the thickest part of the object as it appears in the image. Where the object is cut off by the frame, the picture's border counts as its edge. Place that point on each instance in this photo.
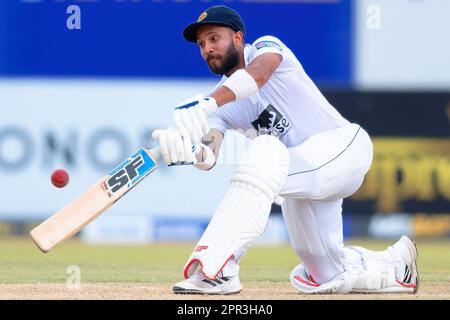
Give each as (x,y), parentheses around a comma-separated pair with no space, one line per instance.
(175,148)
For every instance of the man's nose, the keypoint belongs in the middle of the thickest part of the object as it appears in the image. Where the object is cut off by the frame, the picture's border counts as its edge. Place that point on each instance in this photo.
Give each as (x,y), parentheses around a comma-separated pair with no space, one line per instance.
(209,48)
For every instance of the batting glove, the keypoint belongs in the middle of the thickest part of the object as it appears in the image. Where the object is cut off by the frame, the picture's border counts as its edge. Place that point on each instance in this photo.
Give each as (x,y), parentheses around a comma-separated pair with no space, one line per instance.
(175,148)
(190,117)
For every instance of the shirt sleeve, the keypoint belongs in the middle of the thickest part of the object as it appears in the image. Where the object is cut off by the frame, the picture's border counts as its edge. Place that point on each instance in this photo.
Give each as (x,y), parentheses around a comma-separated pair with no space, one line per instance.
(217,122)
(266,44)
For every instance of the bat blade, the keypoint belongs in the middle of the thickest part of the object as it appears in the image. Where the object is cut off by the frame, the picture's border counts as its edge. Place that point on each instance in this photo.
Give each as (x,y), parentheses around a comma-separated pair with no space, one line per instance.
(96,200)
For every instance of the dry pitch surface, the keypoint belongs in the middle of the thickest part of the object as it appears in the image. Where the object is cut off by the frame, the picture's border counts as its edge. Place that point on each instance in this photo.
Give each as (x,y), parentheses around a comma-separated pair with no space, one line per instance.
(145,291)
(148,272)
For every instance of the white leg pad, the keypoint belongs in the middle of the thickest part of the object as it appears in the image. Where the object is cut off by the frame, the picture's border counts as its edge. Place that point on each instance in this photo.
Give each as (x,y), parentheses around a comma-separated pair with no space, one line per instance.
(243,213)
(366,272)
(377,273)
(301,281)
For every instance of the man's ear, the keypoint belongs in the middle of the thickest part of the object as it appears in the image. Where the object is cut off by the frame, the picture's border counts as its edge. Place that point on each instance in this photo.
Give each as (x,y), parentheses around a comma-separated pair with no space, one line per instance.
(238,38)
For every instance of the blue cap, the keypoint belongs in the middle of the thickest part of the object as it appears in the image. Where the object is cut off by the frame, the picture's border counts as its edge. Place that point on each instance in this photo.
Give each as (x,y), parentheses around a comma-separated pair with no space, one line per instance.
(217,15)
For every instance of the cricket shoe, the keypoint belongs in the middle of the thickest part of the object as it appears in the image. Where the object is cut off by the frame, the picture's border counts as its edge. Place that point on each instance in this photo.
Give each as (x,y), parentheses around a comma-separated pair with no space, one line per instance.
(199,284)
(408,276)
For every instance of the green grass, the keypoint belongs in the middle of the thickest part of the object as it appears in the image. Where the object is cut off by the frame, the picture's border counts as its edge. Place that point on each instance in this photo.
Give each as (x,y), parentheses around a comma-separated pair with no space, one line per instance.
(22,262)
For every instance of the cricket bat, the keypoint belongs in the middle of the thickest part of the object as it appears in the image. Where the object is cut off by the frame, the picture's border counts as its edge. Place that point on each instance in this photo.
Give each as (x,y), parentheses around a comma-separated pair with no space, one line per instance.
(96,200)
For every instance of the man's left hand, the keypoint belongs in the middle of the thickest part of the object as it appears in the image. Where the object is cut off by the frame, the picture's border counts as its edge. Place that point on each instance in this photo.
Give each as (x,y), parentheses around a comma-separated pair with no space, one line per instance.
(175,149)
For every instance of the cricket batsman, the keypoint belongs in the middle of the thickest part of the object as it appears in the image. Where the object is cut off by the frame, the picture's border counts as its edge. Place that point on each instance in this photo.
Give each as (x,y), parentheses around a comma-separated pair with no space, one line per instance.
(303,151)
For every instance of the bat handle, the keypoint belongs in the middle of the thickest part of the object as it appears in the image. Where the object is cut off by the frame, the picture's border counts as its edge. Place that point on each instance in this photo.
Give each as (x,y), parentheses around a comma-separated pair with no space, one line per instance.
(156,152)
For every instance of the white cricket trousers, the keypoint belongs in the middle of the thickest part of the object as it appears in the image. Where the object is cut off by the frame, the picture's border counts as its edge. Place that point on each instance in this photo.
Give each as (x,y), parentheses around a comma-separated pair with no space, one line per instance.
(324,169)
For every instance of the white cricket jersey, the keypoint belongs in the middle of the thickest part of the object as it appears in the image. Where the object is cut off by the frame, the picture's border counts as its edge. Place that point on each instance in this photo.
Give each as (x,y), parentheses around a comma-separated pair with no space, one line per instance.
(289,105)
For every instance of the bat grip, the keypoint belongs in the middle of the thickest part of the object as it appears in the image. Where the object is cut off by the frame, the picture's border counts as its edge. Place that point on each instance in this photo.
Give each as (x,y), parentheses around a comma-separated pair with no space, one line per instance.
(156,152)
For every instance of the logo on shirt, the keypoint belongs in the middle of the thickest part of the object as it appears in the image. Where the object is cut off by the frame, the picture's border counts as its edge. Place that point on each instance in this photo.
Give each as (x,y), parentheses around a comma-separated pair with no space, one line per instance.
(271,122)
(268,44)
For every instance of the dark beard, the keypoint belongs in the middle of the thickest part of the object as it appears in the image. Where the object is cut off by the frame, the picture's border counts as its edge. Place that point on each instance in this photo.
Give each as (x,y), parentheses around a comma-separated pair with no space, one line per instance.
(230,61)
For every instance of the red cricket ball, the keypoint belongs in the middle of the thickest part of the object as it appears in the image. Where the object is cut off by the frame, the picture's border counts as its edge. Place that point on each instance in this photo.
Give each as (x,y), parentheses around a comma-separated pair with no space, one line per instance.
(60,178)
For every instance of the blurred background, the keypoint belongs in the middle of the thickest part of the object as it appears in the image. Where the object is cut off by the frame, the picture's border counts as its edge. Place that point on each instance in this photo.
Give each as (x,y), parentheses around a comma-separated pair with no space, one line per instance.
(84,83)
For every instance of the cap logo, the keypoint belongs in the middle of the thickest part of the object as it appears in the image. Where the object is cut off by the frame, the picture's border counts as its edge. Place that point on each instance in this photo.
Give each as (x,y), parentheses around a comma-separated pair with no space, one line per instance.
(202,16)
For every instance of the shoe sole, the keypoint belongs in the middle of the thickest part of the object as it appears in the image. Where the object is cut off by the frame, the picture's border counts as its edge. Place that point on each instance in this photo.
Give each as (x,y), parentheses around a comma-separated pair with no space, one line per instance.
(415,253)
(179,290)
(416,270)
